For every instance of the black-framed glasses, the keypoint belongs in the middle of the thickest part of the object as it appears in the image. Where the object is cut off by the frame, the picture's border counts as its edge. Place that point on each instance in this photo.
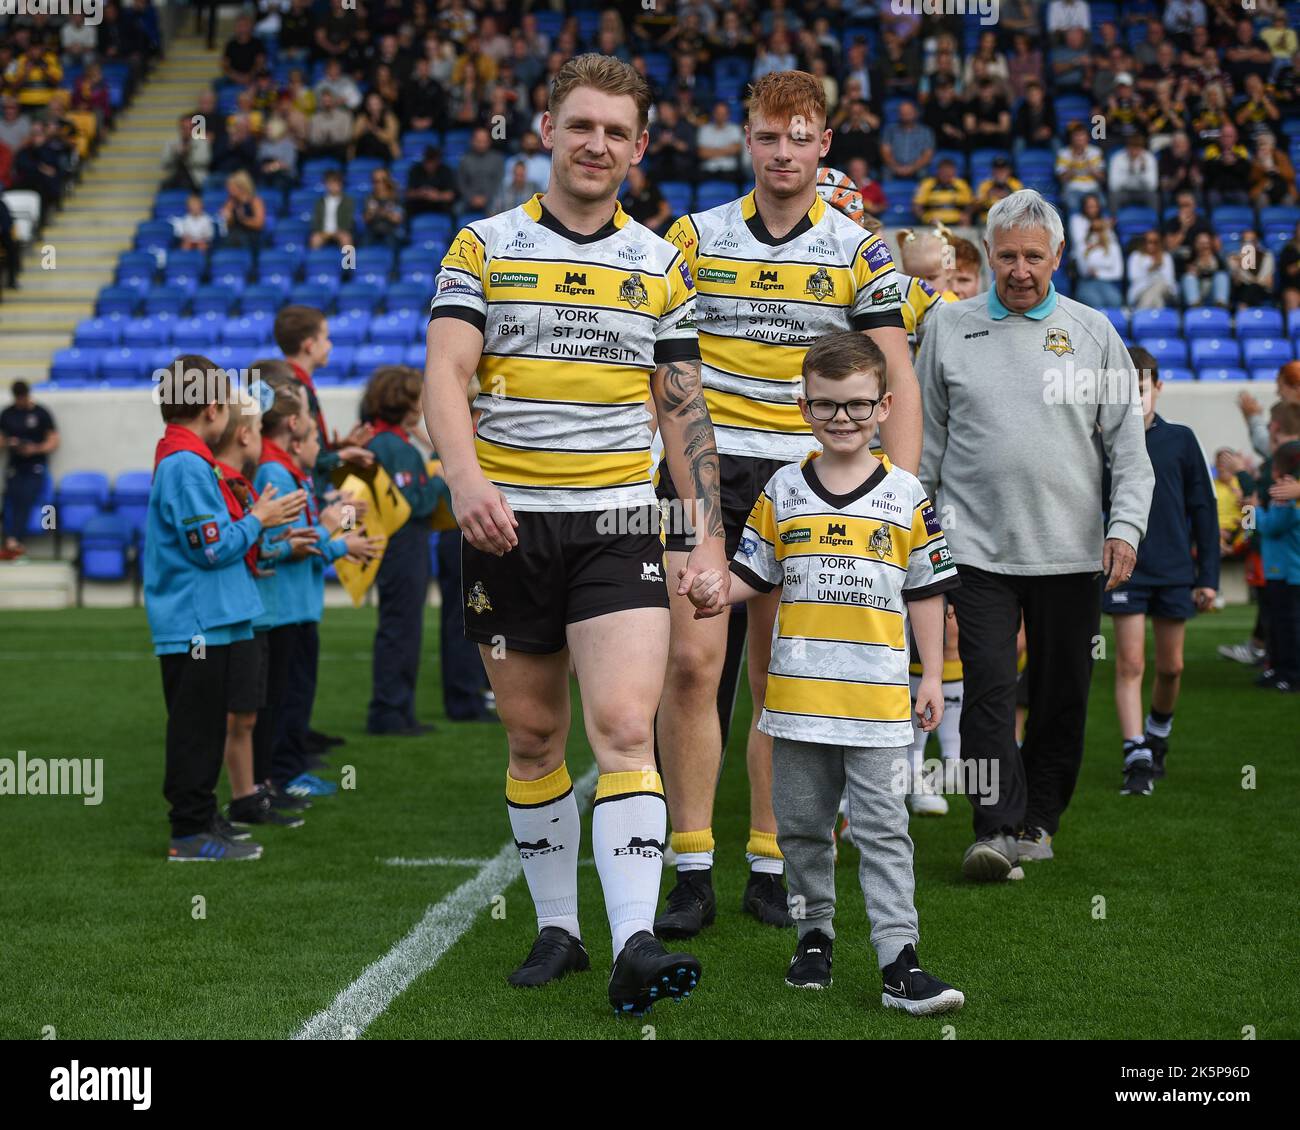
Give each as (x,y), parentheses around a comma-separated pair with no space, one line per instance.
(857,410)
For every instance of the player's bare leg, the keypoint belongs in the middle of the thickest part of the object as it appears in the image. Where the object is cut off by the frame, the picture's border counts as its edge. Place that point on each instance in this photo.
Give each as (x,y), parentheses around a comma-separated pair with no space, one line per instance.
(532,693)
(765,895)
(1164,694)
(1130,669)
(621,689)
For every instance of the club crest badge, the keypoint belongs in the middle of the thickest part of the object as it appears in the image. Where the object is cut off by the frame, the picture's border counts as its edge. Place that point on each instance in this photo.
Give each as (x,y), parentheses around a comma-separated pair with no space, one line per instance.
(477,601)
(1057,341)
(881,543)
(633,292)
(819,284)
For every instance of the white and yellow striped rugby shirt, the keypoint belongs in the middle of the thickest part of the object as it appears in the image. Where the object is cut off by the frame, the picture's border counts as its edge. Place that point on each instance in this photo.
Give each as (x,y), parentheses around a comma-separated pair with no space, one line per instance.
(573,327)
(763,301)
(847,565)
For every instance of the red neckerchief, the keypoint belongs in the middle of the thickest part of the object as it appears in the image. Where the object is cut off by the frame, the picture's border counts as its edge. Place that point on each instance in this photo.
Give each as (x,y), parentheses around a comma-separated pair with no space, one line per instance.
(246,495)
(397,430)
(272,452)
(177,438)
(304,378)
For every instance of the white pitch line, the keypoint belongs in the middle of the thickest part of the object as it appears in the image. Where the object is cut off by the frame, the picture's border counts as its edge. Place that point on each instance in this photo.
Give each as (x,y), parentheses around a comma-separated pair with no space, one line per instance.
(435,861)
(443,925)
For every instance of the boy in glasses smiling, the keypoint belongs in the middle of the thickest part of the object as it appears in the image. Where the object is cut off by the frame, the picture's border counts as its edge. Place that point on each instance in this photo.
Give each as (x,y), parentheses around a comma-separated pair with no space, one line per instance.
(857,551)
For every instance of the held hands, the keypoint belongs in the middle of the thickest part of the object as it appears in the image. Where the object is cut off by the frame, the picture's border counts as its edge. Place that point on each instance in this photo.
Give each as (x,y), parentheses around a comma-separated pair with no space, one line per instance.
(362,547)
(706,590)
(929,703)
(708,557)
(272,510)
(485,516)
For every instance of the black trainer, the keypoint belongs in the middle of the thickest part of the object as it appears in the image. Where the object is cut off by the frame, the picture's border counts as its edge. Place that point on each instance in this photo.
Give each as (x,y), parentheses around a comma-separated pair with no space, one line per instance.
(1139,772)
(691,905)
(258,809)
(911,988)
(325,741)
(810,968)
(1159,748)
(555,954)
(645,972)
(283,802)
(765,899)
(223,827)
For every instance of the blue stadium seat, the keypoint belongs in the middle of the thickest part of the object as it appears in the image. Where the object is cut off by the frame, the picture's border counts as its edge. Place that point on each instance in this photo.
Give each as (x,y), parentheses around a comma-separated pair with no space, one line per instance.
(981,164)
(246,331)
(125,365)
(99,333)
(131,498)
(76,365)
(312,171)
(679,195)
(1155,323)
(122,300)
(1293,323)
(1260,321)
(431,225)
(302,201)
(1176,373)
(105,552)
(154,235)
(374,260)
(317,294)
(279,261)
(341,359)
(1136,215)
(1210,352)
(1266,373)
(1166,351)
(415,142)
(263,297)
(360,296)
(1207,321)
(349,327)
(292,235)
(136,265)
(173,298)
(1118,319)
(221,297)
(1222,373)
(395,329)
(370,357)
(323,259)
(170,202)
(79,497)
(236,259)
(406,295)
(1282,215)
(149,332)
(193,334)
(414,355)
(1260,351)
(1071,108)
(1232,217)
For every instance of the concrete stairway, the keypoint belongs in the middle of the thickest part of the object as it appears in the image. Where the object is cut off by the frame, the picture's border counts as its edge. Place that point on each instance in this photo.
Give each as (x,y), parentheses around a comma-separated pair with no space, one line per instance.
(99,219)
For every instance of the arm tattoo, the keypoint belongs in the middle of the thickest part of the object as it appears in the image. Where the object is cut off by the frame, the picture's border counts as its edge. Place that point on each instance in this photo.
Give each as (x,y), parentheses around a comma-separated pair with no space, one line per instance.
(681,399)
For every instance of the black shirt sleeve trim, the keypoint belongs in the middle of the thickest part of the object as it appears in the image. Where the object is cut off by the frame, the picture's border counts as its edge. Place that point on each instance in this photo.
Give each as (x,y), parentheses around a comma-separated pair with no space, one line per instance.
(475,318)
(677,349)
(752,579)
(882,320)
(946,585)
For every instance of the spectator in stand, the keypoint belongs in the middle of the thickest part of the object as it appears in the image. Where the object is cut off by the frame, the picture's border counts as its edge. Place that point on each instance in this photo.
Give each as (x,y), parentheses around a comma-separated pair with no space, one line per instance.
(1100,265)
(187,156)
(9,245)
(277,156)
(244,56)
(1167,117)
(1062,15)
(15,126)
(1134,176)
(1020,17)
(375,132)
(36,75)
(1035,121)
(214,125)
(908,145)
(91,95)
(1247,55)
(296,32)
(145,27)
(1258,114)
(333,216)
(1151,284)
(900,66)
(1182,229)
(1272,175)
(383,212)
(1147,51)
(857,68)
(1288,273)
(1211,115)
(946,116)
(1072,63)
(243,213)
(643,201)
(1164,66)
(335,36)
(856,138)
(114,39)
(1180,172)
(1205,278)
(992,189)
(873,196)
(479,173)
(671,152)
(297,103)
(721,145)
(1182,17)
(1080,223)
(1124,112)
(342,86)
(29,434)
(517,189)
(1227,169)
(988,118)
(330,128)
(943,63)
(237,150)
(38,166)
(76,41)
(774,54)
(944,198)
(1080,168)
(994,62)
(1251,270)
(1281,40)
(423,104)
(1025,63)
(535,159)
(194,230)
(430,185)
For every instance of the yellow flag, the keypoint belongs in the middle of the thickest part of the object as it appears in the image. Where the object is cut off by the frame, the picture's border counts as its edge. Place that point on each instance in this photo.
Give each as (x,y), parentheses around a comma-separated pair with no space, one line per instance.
(387,513)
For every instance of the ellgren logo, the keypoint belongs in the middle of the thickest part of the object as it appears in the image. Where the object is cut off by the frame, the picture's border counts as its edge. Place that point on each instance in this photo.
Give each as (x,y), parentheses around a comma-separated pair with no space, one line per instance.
(513,278)
(836,534)
(575,282)
(767,280)
(650,571)
(637,846)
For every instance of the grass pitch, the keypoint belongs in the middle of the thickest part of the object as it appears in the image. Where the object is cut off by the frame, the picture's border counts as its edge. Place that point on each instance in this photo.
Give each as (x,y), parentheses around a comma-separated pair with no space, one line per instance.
(101,938)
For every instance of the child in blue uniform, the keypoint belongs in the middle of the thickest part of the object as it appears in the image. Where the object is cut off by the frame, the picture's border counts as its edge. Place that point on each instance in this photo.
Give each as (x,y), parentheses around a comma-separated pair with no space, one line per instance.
(294,598)
(1278,523)
(201,599)
(1169,584)
(392,406)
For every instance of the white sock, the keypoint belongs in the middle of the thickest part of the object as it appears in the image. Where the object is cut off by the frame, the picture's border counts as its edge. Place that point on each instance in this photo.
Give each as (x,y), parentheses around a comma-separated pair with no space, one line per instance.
(547,832)
(1160,729)
(629,825)
(950,725)
(763,853)
(694,850)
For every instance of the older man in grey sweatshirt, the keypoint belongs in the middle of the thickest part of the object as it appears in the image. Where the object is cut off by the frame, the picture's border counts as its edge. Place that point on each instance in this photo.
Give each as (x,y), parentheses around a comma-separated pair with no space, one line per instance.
(1023,389)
